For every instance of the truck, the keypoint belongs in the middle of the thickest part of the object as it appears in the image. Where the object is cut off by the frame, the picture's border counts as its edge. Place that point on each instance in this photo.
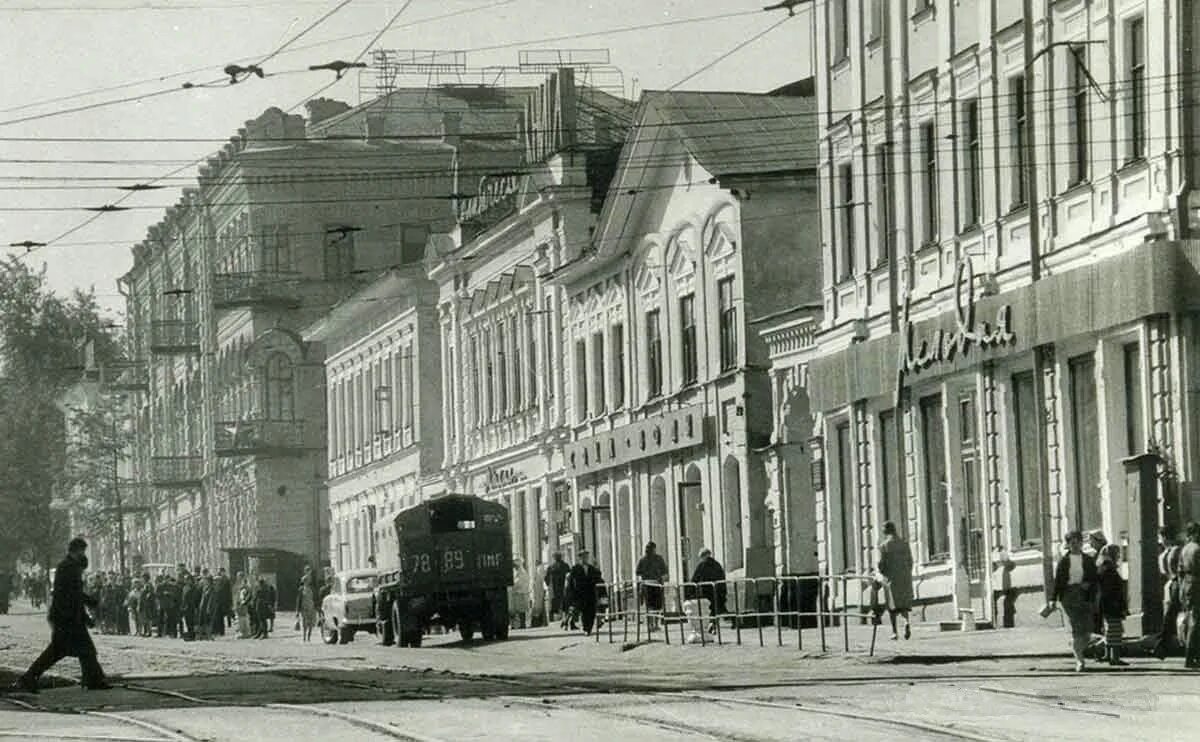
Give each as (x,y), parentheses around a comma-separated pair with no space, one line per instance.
(455,557)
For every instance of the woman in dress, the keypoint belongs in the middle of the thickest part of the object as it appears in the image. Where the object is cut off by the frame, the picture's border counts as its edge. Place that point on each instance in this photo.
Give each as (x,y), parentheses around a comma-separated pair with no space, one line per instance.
(306,606)
(1075,581)
(518,596)
(244,599)
(895,570)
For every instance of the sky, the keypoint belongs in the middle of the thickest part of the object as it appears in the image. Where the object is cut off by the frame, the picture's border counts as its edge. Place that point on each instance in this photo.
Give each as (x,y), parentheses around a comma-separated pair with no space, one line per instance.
(76,50)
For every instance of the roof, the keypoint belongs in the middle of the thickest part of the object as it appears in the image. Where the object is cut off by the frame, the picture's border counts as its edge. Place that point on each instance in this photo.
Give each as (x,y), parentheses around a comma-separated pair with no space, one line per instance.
(742,133)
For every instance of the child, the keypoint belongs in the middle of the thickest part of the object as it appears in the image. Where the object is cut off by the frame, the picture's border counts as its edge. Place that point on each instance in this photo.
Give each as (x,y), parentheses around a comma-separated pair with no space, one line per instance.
(1113,602)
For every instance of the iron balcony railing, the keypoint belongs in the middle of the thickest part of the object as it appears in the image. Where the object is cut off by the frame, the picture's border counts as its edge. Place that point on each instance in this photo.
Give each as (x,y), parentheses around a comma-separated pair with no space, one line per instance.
(174,336)
(257,437)
(256,288)
(176,471)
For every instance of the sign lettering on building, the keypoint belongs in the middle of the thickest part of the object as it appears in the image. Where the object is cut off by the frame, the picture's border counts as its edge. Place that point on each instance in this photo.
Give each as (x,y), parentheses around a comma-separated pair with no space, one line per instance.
(944,345)
(501,478)
(493,190)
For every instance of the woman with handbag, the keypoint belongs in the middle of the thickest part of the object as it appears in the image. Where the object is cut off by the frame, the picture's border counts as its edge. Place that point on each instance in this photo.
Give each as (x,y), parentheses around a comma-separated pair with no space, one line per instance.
(1075,581)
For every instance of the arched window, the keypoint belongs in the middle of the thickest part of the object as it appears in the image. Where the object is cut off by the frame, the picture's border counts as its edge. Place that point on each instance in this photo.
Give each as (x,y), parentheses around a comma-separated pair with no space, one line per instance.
(280,401)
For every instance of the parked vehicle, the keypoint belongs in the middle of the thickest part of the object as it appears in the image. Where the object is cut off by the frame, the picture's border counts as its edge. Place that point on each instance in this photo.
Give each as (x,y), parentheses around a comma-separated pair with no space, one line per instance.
(350,606)
(455,570)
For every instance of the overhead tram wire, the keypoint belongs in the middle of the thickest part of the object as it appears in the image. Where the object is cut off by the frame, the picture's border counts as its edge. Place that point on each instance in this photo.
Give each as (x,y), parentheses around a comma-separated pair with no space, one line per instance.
(130,194)
(732,51)
(197,70)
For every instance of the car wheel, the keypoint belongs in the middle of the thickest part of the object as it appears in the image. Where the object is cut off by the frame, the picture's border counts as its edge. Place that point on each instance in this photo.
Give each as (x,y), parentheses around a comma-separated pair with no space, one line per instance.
(329,634)
(345,636)
(466,630)
(387,636)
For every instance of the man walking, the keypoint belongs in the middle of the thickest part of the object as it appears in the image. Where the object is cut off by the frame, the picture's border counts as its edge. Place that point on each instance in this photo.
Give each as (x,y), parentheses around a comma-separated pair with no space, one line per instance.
(1189,595)
(584,578)
(556,583)
(652,573)
(69,625)
(224,601)
(895,569)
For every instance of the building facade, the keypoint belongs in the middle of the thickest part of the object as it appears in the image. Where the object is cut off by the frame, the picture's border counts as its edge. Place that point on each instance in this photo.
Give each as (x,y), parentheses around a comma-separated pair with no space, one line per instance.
(1007,269)
(505,395)
(669,402)
(230,422)
(384,437)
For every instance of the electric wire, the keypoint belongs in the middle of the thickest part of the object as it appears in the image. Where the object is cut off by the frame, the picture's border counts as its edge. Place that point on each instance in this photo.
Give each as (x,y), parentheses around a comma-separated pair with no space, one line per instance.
(740,46)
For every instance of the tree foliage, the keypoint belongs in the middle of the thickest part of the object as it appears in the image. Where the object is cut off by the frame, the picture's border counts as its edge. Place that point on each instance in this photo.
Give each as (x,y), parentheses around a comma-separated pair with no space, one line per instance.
(41,340)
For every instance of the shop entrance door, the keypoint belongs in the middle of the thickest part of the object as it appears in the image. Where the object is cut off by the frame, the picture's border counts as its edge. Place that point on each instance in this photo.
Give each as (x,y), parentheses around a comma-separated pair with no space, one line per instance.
(971,525)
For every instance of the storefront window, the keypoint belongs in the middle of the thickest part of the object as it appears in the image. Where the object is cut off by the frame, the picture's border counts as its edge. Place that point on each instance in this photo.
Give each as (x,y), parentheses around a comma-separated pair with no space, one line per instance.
(1028,504)
(1085,442)
(933,439)
(891,486)
(845,493)
(1135,432)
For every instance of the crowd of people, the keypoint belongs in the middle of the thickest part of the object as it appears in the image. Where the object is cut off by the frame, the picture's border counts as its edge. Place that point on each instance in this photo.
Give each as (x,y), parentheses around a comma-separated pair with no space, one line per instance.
(190,604)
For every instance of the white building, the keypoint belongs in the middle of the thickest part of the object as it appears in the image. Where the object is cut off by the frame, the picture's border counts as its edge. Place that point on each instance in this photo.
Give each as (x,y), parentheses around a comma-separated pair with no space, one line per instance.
(383,391)
(670,403)
(1007,274)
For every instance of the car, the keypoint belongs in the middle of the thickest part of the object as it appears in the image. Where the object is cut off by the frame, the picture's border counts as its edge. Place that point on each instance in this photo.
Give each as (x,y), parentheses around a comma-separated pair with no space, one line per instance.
(350,606)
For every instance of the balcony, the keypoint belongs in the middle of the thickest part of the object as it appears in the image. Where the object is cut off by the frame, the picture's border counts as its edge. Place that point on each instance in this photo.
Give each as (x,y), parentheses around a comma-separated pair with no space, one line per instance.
(174,337)
(176,472)
(260,288)
(260,438)
(125,376)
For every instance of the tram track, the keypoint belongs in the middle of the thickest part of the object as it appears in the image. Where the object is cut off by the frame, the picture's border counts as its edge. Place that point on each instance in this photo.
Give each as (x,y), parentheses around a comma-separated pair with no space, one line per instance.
(164,732)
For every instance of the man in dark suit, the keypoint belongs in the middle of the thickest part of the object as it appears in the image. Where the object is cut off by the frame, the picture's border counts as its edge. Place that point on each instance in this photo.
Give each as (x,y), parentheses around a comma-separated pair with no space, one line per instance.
(584,578)
(69,623)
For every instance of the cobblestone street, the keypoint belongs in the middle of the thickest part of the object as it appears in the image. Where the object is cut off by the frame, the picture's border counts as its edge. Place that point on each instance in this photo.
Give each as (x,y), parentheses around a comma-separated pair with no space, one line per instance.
(979,686)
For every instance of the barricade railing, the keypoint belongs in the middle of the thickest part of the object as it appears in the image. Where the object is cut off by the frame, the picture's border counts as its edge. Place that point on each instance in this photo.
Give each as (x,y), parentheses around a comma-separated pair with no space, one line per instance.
(725,611)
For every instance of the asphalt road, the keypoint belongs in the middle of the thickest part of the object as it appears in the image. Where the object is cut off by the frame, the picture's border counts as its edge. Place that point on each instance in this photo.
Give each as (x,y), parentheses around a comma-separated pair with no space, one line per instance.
(549,685)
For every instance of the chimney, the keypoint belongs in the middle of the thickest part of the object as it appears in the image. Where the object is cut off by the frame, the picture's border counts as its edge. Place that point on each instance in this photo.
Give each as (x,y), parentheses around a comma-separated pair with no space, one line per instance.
(324,108)
(452,127)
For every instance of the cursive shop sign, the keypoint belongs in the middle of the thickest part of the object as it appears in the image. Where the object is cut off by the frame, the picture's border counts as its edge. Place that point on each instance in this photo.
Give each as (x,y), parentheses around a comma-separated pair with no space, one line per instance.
(501,478)
(943,345)
(493,189)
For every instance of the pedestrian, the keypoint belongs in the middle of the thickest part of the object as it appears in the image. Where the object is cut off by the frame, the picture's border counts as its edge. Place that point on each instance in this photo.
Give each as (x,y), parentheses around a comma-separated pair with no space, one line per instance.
(69,623)
(1114,602)
(584,580)
(518,596)
(556,586)
(895,569)
(131,606)
(1005,597)
(652,573)
(206,611)
(258,618)
(1096,540)
(306,605)
(147,607)
(245,603)
(122,596)
(270,603)
(1189,596)
(1168,568)
(224,599)
(189,605)
(709,577)
(1075,581)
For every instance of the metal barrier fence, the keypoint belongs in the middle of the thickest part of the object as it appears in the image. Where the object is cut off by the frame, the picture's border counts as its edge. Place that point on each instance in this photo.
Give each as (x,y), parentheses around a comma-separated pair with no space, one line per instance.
(758,606)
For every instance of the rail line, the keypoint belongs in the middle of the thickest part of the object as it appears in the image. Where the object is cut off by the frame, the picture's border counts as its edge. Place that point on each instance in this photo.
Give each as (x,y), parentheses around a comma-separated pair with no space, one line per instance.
(163,732)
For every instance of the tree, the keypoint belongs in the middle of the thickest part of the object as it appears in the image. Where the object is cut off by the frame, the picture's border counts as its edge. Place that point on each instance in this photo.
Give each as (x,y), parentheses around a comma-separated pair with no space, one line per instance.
(41,340)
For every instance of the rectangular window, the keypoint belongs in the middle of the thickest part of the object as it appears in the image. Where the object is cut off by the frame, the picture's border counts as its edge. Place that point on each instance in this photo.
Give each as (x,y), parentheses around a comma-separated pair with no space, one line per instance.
(841,29)
(1079,122)
(929,184)
(1085,440)
(476,371)
(1028,505)
(548,347)
(894,507)
(876,19)
(502,369)
(517,374)
(618,366)
(489,380)
(1136,31)
(581,386)
(972,154)
(933,439)
(339,253)
(846,220)
(412,243)
(598,371)
(409,385)
(687,338)
(654,360)
(883,205)
(531,360)
(1020,140)
(1135,431)
(276,249)
(728,324)
(845,464)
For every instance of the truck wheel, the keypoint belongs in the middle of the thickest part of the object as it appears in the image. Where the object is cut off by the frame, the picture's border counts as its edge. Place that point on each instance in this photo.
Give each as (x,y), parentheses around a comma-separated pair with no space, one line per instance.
(345,636)
(466,630)
(498,616)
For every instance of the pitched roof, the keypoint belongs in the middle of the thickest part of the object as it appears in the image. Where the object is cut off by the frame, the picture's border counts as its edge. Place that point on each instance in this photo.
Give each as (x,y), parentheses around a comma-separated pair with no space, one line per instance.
(743,133)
